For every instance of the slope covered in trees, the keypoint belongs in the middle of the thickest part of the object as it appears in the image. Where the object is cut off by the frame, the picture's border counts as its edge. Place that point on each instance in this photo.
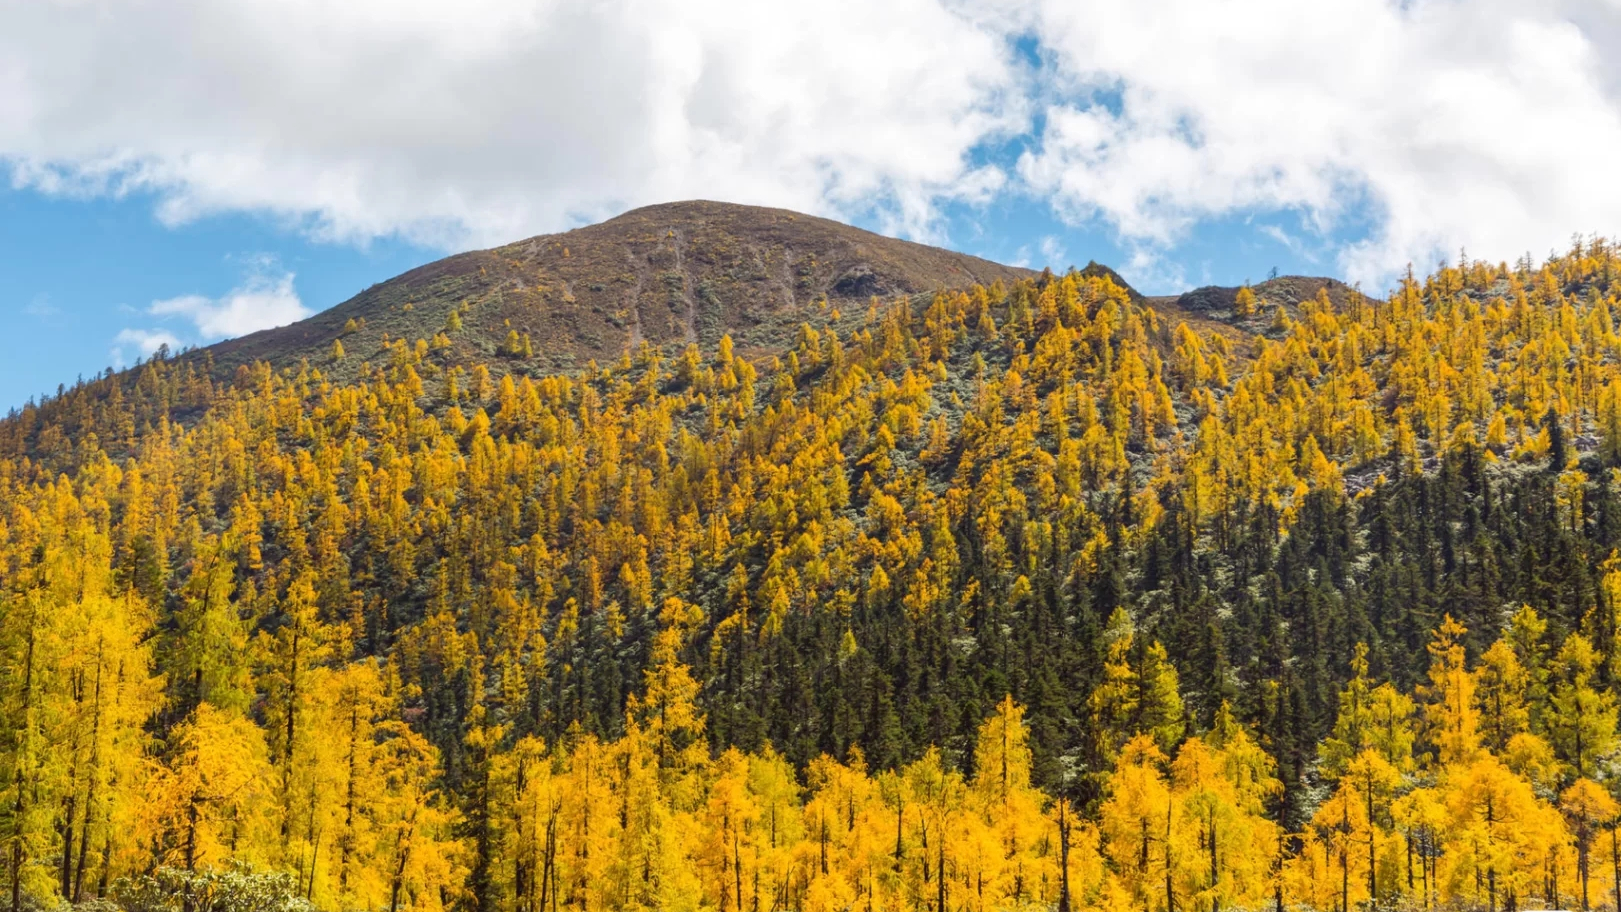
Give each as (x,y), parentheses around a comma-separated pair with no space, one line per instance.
(1020,594)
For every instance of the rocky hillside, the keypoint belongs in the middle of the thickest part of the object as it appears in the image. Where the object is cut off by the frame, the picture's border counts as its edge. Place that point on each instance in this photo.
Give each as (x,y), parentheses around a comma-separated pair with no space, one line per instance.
(671,273)
(1214,308)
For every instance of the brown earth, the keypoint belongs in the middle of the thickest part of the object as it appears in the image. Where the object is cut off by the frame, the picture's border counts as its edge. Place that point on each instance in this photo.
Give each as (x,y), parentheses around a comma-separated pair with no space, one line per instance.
(666,274)
(671,274)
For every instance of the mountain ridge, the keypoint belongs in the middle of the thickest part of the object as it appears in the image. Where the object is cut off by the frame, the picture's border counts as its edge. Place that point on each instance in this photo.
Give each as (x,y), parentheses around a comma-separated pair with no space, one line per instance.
(670,274)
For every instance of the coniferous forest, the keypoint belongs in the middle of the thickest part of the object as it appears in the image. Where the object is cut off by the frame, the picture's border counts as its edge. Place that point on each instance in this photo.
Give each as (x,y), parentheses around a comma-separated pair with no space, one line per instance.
(1010,597)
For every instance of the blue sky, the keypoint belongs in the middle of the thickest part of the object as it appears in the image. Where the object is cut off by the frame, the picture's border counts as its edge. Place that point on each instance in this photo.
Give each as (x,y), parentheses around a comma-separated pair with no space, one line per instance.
(178,172)
(76,273)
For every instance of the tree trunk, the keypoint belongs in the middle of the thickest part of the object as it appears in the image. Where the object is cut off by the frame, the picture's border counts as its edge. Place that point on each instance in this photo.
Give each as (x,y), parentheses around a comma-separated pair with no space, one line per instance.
(348,847)
(191,834)
(1582,847)
(1063,855)
(737,870)
(402,853)
(1170,885)
(1373,883)
(1277,884)
(1615,861)
(16,875)
(1345,858)
(523,882)
(546,866)
(20,773)
(106,866)
(70,810)
(84,838)
(290,734)
(188,904)
(1409,836)
(900,822)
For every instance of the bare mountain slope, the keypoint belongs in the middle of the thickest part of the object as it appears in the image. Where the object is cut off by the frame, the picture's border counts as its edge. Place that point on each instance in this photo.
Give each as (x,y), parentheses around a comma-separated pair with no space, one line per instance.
(670,273)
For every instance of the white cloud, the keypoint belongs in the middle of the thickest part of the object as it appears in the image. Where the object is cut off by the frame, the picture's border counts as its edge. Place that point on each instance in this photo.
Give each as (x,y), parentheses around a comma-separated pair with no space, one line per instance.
(486,120)
(1489,124)
(259,303)
(144,343)
(41,308)
(1052,251)
(265,299)
(1152,271)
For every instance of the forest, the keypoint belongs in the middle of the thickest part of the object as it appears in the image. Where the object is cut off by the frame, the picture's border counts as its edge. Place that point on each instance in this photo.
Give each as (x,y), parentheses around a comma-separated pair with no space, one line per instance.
(1013,597)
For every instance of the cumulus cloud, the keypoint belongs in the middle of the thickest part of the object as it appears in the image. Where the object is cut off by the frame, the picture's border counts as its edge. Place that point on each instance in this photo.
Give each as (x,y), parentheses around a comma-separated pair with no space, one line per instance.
(264,300)
(1052,252)
(481,121)
(259,303)
(1423,124)
(142,342)
(1485,123)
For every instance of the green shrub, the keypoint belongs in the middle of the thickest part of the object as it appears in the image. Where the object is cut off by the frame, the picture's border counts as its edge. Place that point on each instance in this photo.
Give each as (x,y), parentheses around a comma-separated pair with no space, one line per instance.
(238,888)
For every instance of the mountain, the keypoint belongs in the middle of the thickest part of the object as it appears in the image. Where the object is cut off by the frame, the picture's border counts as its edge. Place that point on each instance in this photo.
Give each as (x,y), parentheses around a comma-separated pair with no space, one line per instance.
(1282,291)
(1212,308)
(1037,594)
(666,274)
(672,274)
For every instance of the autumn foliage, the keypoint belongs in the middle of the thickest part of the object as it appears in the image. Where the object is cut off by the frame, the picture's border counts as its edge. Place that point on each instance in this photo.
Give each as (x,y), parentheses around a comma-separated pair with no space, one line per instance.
(1011,597)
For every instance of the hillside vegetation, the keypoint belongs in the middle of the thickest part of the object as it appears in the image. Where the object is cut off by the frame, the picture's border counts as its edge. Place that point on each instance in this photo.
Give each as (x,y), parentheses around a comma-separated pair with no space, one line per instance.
(667,274)
(1020,594)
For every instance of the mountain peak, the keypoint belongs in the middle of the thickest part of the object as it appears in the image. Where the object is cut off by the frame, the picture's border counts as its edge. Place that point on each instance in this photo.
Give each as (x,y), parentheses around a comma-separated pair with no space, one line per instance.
(667,274)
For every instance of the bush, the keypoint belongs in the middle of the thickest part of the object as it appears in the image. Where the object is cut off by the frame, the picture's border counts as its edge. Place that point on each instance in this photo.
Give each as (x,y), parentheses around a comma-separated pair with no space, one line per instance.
(238,888)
